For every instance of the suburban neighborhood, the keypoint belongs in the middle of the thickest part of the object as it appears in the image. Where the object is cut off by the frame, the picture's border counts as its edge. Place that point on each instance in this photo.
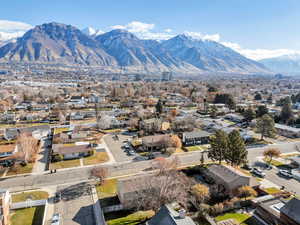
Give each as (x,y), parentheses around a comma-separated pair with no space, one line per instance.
(150,152)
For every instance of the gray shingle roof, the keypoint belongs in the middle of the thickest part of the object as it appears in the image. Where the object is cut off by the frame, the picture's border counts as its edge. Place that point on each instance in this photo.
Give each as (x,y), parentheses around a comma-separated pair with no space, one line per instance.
(292,209)
(168,216)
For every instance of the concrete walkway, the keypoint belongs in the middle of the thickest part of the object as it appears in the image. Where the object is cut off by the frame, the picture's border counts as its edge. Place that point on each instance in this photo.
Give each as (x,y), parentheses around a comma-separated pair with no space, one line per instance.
(42,157)
(104,145)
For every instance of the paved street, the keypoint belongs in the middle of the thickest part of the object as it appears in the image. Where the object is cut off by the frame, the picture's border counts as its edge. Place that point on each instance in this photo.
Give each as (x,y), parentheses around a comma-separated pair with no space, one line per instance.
(253,153)
(76,206)
(289,184)
(115,147)
(116,169)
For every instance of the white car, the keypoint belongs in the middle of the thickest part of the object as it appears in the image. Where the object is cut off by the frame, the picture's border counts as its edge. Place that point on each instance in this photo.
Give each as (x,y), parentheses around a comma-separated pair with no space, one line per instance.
(55,219)
(258,172)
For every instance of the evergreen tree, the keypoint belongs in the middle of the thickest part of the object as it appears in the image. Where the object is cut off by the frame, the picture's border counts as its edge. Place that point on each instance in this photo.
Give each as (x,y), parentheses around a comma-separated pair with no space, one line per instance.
(219,146)
(261,110)
(286,113)
(265,126)
(237,153)
(213,111)
(249,114)
(159,107)
(258,97)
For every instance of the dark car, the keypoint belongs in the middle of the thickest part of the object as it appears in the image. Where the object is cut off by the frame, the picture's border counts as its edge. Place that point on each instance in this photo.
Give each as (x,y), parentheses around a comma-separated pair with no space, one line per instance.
(247,167)
(285,173)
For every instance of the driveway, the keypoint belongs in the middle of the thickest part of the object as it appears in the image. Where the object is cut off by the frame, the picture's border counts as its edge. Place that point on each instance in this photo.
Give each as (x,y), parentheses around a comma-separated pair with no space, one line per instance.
(115,147)
(76,206)
(291,185)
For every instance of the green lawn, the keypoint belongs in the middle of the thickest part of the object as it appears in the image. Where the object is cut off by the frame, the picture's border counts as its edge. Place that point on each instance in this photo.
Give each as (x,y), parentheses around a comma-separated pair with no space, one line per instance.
(196,148)
(65,164)
(274,162)
(28,216)
(18,169)
(242,219)
(108,189)
(132,219)
(272,190)
(97,157)
(34,195)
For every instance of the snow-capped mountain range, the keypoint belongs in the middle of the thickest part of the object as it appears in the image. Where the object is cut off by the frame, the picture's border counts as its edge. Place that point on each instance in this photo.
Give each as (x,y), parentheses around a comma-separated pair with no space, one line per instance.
(55,42)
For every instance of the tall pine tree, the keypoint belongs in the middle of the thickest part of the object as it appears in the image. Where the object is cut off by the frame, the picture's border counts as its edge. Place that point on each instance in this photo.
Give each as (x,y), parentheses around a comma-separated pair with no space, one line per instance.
(237,153)
(219,146)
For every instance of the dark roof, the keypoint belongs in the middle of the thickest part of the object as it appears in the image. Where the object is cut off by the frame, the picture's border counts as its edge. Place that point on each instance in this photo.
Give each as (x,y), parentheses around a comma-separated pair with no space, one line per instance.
(76,97)
(168,216)
(292,209)
(196,134)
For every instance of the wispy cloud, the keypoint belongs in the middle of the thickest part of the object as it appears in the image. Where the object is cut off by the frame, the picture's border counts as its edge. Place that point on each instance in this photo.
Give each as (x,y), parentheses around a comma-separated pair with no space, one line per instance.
(199,35)
(258,54)
(12,29)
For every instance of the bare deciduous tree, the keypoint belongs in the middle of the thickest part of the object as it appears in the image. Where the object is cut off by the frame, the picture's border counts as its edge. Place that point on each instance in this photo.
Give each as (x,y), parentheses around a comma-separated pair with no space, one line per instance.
(100,174)
(166,186)
(27,147)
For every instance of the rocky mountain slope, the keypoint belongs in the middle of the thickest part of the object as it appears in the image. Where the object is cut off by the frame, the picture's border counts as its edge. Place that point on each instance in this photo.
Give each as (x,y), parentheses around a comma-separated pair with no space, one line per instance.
(54,42)
(283,64)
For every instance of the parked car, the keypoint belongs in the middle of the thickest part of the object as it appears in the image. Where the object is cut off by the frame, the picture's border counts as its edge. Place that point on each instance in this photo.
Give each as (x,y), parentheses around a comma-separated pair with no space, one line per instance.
(285,173)
(55,219)
(258,172)
(247,167)
(131,152)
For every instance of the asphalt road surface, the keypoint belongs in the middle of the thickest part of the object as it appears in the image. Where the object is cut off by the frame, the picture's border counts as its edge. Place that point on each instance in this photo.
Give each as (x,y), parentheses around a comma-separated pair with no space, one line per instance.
(76,206)
(74,175)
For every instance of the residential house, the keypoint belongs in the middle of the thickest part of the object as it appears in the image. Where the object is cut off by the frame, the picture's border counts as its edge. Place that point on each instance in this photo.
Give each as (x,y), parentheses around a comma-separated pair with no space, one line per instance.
(129,187)
(36,131)
(7,150)
(287,131)
(229,179)
(195,137)
(167,215)
(275,210)
(74,151)
(234,117)
(155,142)
(5,200)
(290,212)
(150,125)
(77,100)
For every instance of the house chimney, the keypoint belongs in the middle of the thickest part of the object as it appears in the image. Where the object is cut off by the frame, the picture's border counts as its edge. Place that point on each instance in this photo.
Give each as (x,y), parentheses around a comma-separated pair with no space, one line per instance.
(181,213)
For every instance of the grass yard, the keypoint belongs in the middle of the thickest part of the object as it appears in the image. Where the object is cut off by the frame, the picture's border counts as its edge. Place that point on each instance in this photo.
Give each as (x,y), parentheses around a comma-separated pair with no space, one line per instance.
(240,218)
(272,190)
(97,157)
(132,219)
(274,162)
(196,148)
(28,216)
(108,189)
(65,164)
(111,131)
(34,195)
(289,155)
(18,169)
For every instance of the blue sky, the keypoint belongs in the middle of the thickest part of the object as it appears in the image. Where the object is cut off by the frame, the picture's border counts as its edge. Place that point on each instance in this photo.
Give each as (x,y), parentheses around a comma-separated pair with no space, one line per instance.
(245,25)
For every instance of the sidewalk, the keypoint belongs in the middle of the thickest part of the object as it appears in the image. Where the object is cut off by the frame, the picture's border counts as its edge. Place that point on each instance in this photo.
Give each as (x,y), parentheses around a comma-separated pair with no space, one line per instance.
(42,157)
